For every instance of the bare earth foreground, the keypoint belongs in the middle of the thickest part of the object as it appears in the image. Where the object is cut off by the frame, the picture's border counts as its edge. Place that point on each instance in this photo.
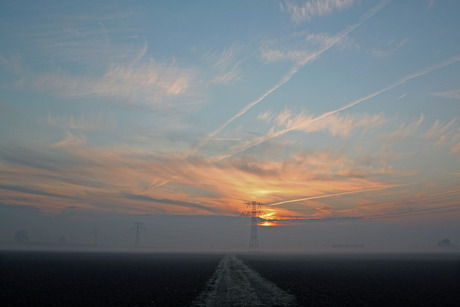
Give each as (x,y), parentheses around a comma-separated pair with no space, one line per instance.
(235,284)
(30,278)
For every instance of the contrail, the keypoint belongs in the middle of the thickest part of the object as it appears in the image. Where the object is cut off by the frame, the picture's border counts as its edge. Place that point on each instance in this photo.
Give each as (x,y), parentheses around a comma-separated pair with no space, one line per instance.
(141,54)
(418,210)
(283,81)
(332,195)
(248,144)
(290,74)
(243,111)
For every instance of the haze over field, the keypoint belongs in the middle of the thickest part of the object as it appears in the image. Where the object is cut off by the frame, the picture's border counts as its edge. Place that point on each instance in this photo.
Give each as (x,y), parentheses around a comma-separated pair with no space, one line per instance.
(341,116)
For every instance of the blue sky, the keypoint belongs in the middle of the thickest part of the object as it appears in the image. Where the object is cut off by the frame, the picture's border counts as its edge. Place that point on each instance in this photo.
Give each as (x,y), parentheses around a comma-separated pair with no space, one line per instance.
(319,109)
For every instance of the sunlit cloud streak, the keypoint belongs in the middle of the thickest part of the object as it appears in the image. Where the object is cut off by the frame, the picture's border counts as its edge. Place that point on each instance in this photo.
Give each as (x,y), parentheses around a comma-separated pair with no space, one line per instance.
(148,83)
(248,144)
(70,141)
(88,121)
(452,94)
(169,202)
(424,203)
(405,130)
(404,207)
(334,124)
(440,132)
(92,174)
(445,134)
(226,65)
(120,69)
(333,195)
(306,46)
(26,190)
(89,39)
(289,75)
(394,46)
(306,11)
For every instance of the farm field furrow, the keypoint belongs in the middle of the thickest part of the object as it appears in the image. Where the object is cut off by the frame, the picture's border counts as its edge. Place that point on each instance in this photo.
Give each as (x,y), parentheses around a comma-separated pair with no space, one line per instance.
(103,279)
(235,284)
(147,279)
(383,280)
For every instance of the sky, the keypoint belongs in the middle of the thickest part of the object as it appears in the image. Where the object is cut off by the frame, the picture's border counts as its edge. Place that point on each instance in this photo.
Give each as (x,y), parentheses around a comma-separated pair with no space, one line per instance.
(340,116)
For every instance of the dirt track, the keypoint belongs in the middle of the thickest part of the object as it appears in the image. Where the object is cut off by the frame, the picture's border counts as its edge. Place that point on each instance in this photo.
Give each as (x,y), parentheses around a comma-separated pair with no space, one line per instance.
(235,284)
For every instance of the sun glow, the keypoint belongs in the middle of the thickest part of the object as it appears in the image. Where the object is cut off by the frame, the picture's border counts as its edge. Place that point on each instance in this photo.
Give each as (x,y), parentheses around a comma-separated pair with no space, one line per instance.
(268,223)
(268,217)
(264,192)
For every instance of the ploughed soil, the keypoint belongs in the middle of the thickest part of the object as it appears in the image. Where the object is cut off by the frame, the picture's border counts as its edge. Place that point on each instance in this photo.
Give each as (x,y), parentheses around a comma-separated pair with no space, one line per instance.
(111,279)
(103,279)
(364,280)
(235,284)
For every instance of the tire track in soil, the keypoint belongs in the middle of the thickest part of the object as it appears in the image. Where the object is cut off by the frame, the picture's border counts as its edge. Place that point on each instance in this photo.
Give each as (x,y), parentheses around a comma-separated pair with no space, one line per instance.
(235,284)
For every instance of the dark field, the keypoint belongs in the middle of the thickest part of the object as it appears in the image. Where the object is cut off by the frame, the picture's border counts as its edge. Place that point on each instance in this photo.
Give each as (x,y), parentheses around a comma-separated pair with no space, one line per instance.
(104,279)
(367,280)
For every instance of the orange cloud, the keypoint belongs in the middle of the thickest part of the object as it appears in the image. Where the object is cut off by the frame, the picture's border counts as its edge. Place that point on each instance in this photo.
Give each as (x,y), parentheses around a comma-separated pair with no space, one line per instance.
(305,185)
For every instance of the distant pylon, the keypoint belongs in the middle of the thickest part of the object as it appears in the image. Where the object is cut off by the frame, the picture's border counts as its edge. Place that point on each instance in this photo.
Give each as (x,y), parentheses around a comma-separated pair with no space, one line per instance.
(95,233)
(254,212)
(137,227)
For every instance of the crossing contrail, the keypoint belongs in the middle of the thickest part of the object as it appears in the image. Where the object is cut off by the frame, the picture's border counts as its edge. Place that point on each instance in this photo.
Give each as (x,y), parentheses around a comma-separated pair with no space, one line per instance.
(335,194)
(290,74)
(248,144)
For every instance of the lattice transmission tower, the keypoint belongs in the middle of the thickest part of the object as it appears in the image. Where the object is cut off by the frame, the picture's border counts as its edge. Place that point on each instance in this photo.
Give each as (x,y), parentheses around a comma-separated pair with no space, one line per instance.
(253,211)
(137,227)
(95,233)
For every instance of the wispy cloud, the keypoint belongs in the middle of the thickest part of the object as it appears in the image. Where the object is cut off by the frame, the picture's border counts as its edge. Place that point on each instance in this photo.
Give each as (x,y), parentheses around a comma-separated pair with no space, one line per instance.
(405,130)
(120,174)
(455,149)
(427,202)
(138,80)
(92,55)
(90,40)
(70,142)
(303,47)
(11,62)
(171,202)
(452,94)
(238,148)
(300,63)
(325,39)
(335,124)
(22,189)
(391,48)
(445,134)
(226,65)
(148,84)
(275,55)
(308,9)
(440,132)
(89,121)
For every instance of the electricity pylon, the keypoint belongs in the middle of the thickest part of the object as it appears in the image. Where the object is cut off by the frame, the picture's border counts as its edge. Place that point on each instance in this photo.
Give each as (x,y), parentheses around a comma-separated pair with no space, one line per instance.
(95,233)
(21,236)
(137,227)
(254,212)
